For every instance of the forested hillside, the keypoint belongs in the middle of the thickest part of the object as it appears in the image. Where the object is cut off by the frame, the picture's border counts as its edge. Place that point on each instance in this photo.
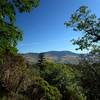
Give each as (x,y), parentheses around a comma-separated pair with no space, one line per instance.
(54,56)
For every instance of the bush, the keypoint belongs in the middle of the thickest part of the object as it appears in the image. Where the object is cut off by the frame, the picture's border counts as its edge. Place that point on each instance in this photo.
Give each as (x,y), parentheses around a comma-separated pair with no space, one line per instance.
(41,90)
(65,79)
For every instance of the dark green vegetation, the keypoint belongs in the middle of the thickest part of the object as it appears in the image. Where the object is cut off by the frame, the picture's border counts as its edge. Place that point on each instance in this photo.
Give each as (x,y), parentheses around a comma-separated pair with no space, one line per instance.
(45,80)
(49,81)
(10,34)
(30,82)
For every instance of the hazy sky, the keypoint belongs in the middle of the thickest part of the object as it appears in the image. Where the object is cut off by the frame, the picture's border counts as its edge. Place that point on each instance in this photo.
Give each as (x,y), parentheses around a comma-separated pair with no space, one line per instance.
(44,28)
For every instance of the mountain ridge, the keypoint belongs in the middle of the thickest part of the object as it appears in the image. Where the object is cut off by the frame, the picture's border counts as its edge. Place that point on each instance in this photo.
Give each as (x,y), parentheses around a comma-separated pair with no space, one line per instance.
(67,57)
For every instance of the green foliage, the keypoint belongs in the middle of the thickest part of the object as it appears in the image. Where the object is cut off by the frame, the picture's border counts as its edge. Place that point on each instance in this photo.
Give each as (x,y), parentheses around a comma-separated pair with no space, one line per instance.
(82,20)
(65,79)
(20,82)
(90,78)
(17,80)
(14,96)
(40,89)
(10,34)
(55,82)
(41,61)
(12,72)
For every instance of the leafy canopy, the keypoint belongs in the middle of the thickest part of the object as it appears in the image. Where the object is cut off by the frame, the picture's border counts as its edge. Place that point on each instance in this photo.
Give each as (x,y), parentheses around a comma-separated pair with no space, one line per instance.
(65,79)
(10,34)
(82,20)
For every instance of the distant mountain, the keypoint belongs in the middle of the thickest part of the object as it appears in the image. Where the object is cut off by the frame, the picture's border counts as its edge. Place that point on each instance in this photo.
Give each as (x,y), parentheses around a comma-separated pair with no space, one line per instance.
(54,56)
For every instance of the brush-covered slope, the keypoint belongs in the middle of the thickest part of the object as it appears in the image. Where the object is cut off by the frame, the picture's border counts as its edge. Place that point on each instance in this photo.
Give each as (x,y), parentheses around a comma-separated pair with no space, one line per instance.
(53,56)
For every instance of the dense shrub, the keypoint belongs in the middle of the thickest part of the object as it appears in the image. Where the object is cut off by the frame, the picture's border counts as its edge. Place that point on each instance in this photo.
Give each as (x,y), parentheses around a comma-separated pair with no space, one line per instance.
(20,82)
(65,79)
(41,90)
(90,80)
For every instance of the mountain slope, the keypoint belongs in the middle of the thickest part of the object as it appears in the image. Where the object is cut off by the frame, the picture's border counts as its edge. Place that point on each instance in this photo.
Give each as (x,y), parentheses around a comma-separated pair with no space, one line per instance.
(53,56)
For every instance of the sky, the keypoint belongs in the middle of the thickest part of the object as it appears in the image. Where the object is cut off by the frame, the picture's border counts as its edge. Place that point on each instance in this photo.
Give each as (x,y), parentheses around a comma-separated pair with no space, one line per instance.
(44,28)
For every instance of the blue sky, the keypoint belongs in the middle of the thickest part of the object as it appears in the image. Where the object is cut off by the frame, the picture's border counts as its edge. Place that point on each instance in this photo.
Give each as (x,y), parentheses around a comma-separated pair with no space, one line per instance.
(44,28)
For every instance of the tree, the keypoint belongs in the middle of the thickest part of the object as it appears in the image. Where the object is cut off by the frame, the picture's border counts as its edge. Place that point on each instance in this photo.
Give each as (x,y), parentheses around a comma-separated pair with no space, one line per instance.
(82,20)
(41,61)
(19,82)
(41,90)
(65,79)
(90,77)
(10,34)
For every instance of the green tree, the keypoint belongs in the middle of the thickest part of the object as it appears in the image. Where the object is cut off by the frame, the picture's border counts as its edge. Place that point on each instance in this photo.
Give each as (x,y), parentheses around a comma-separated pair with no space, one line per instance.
(65,79)
(10,34)
(41,61)
(90,77)
(20,82)
(41,90)
(87,23)
(82,20)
